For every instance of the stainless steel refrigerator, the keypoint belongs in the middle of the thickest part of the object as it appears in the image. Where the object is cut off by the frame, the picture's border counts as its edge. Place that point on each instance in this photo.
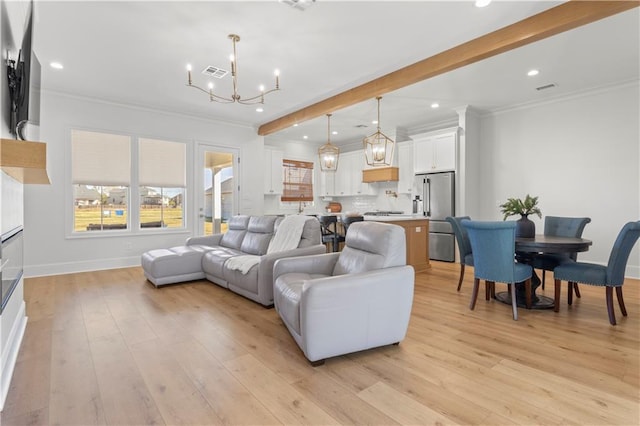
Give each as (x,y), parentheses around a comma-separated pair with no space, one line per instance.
(435,199)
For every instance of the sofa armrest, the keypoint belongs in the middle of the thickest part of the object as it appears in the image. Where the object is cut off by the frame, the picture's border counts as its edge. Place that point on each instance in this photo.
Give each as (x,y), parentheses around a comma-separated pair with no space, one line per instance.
(353,312)
(267,262)
(208,240)
(315,264)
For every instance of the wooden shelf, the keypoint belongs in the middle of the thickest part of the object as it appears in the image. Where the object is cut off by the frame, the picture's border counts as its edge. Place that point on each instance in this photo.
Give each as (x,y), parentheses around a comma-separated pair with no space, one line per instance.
(24,161)
(383,174)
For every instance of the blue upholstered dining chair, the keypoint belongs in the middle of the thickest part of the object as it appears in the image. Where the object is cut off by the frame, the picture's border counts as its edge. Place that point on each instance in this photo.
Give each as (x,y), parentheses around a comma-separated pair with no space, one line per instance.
(559,227)
(464,246)
(493,245)
(610,276)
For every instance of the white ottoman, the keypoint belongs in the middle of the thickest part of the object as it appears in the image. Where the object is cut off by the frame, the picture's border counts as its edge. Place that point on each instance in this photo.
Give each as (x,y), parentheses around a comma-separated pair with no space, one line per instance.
(174,265)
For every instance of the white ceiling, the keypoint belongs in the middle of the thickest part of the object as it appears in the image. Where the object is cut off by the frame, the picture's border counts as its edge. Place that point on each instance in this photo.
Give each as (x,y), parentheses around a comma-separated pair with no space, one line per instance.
(136,53)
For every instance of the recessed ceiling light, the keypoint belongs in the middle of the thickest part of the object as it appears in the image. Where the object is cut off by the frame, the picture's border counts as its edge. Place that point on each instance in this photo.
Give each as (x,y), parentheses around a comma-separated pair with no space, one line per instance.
(435,105)
(259,109)
(482,3)
(56,65)
(374,122)
(531,73)
(295,125)
(335,132)
(305,137)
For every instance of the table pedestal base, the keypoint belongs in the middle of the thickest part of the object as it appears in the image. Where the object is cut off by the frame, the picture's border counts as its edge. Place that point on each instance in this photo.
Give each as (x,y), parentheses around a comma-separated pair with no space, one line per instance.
(543,302)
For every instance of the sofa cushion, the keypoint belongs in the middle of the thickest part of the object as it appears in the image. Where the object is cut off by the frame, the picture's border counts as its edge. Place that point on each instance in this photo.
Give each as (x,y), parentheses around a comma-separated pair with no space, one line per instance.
(259,234)
(236,232)
(213,261)
(287,294)
(248,281)
(176,264)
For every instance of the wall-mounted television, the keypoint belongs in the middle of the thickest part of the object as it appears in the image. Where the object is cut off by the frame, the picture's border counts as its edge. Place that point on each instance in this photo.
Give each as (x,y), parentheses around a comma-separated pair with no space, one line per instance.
(24,84)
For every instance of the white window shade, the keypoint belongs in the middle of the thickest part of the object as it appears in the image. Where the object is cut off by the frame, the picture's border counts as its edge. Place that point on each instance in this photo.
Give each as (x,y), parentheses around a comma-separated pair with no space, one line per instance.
(100,158)
(162,163)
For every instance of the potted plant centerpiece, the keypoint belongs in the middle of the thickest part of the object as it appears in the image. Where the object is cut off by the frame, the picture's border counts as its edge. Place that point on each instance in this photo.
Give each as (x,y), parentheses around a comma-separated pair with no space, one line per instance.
(525,228)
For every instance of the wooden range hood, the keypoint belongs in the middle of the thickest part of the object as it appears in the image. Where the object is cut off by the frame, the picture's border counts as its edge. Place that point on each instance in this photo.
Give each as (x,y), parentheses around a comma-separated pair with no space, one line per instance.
(383,174)
(24,161)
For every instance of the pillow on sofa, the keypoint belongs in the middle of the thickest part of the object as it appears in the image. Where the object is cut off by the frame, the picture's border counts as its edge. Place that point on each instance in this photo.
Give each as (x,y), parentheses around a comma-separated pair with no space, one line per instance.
(235,235)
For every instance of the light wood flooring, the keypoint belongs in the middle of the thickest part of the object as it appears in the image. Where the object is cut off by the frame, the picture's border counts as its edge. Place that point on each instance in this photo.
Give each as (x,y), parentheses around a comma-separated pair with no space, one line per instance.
(108,348)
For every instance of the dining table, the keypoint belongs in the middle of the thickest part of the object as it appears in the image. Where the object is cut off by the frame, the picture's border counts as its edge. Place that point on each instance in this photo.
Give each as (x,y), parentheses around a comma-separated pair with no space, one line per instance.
(526,248)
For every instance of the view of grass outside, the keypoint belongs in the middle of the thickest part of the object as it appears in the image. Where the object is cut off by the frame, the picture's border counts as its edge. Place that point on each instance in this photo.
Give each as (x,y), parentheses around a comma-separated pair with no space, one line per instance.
(84,216)
(90,215)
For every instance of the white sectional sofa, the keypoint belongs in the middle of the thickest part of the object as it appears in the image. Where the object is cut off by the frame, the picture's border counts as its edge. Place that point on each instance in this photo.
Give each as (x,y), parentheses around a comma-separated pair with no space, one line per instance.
(249,241)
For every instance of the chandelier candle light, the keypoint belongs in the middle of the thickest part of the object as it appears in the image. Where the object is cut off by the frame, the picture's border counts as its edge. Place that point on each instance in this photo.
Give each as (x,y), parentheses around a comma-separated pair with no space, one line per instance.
(378,148)
(235,97)
(328,153)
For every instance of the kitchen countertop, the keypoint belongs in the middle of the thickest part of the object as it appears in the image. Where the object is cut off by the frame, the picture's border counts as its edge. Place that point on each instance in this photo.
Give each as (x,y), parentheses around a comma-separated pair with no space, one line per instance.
(395,217)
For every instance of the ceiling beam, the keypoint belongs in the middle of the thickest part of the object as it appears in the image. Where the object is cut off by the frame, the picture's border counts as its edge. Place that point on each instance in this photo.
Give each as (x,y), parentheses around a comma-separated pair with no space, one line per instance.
(553,21)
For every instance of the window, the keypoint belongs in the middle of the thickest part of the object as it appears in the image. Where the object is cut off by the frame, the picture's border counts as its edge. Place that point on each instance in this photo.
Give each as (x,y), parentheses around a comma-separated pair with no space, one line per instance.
(298,181)
(101,172)
(162,180)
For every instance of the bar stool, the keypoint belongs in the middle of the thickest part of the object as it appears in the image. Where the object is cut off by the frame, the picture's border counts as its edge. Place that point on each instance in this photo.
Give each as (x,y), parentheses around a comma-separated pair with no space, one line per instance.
(329,228)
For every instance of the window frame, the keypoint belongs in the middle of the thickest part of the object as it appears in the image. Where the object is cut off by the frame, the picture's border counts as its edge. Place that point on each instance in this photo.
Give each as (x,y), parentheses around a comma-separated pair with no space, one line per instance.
(133,208)
(287,196)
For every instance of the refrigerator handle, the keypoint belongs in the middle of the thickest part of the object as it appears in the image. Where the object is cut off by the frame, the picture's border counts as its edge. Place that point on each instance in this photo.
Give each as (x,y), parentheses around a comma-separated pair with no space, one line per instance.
(428,200)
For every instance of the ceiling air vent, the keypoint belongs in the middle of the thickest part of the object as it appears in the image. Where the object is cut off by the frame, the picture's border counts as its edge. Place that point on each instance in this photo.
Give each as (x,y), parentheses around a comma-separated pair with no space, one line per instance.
(214,71)
(546,86)
(298,4)
(360,126)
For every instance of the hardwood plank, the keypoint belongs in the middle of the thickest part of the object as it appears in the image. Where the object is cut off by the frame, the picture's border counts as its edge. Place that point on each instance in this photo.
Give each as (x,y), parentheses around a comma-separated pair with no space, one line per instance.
(231,400)
(441,400)
(175,395)
(28,394)
(400,407)
(32,418)
(476,384)
(108,341)
(125,398)
(285,402)
(339,402)
(75,396)
(590,400)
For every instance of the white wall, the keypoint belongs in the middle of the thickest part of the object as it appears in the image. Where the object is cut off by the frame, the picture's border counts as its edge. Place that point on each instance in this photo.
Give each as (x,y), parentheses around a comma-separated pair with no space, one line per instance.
(580,155)
(49,250)
(13,320)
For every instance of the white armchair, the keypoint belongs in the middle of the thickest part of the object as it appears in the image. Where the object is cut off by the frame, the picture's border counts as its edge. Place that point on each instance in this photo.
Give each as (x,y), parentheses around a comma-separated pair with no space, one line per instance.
(357,299)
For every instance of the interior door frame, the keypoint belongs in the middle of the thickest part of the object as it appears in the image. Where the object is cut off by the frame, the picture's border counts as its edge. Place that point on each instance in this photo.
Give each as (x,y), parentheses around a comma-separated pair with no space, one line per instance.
(199,154)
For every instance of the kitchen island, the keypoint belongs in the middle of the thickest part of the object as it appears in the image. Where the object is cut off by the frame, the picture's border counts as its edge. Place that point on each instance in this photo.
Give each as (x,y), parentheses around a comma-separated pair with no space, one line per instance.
(416,228)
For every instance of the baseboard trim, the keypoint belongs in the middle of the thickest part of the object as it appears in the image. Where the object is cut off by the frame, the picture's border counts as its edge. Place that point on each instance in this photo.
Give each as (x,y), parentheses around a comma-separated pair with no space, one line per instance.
(31,271)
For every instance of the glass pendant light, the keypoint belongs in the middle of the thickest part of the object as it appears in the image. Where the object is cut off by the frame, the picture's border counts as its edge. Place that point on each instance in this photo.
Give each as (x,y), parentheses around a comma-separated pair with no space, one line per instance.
(378,148)
(328,153)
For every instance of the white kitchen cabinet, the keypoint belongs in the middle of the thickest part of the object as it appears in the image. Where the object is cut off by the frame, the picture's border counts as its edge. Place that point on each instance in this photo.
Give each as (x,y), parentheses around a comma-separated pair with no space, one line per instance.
(358,164)
(273,174)
(343,175)
(405,165)
(435,153)
(348,177)
(327,184)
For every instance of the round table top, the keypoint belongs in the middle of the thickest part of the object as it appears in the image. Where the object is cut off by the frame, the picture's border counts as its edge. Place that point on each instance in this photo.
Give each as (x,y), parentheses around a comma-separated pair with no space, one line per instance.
(551,244)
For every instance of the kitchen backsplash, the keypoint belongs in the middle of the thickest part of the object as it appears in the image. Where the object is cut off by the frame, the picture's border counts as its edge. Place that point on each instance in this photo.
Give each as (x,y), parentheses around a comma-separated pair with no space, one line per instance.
(386,199)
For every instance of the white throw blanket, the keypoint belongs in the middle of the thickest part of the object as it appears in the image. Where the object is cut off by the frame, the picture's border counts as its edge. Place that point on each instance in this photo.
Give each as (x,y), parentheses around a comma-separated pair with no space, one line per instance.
(287,237)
